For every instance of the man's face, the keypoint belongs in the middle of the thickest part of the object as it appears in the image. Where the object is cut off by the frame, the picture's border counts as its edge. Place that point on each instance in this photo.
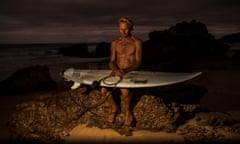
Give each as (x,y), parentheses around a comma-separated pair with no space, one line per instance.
(124,30)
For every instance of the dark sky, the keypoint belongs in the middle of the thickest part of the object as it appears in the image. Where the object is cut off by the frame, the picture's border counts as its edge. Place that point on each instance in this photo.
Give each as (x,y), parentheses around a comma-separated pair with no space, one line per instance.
(44,21)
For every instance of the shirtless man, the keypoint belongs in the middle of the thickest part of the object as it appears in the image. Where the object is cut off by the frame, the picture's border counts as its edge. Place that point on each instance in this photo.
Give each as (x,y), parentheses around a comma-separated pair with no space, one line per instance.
(126,55)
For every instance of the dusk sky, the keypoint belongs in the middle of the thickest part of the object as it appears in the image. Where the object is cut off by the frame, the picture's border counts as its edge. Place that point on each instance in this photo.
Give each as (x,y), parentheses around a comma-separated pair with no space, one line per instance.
(54,21)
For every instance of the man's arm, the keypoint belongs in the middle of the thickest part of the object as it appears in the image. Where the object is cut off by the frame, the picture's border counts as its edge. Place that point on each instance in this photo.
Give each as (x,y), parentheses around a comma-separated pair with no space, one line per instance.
(138,54)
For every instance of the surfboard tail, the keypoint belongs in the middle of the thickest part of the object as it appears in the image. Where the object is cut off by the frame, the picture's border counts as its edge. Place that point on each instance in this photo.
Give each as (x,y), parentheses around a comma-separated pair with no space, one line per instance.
(75,85)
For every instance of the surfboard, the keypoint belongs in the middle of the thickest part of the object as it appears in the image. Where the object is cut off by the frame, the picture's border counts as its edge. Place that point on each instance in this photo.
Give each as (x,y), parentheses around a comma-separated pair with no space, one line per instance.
(133,79)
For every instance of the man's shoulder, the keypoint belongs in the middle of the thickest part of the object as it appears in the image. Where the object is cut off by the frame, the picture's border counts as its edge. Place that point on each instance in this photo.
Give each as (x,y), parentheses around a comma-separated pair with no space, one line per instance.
(136,39)
(115,40)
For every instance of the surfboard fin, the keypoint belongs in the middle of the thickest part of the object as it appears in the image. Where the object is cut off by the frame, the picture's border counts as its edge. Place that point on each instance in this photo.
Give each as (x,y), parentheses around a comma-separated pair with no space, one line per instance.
(95,84)
(75,85)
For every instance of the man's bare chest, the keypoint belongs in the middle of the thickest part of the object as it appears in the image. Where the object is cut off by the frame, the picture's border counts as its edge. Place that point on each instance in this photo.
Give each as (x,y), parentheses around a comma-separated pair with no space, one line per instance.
(125,48)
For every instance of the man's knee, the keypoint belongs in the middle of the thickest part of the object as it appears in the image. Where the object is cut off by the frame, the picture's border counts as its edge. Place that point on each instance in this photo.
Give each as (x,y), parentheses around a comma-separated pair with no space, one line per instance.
(125,93)
(104,90)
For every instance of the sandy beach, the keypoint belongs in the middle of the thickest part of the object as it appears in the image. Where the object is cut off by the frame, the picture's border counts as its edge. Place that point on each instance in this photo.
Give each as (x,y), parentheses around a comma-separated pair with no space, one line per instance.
(81,133)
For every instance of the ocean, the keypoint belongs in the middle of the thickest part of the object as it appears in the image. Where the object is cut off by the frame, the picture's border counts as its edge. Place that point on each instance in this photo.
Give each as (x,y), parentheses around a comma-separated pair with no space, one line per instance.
(15,57)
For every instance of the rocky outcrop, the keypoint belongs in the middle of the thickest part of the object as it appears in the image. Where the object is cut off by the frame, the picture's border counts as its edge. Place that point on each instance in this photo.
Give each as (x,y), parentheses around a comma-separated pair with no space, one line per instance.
(231,38)
(76,50)
(81,50)
(210,127)
(103,49)
(236,56)
(176,49)
(48,117)
(30,79)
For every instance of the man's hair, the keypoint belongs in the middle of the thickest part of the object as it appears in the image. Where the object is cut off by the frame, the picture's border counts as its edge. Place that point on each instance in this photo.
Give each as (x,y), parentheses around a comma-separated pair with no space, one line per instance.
(127,21)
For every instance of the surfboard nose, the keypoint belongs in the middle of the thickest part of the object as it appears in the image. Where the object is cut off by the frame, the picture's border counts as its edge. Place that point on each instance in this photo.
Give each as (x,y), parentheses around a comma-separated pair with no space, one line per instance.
(61,73)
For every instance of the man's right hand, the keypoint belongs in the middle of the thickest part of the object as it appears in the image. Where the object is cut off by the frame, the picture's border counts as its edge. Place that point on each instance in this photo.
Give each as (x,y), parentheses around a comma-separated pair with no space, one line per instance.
(117,73)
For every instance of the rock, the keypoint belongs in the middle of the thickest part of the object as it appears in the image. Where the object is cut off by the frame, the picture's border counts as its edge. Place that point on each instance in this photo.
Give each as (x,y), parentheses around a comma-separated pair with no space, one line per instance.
(236,56)
(103,49)
(231,38)
(30,79)
(76,50)
(198,134)
(49,116)
(176,49)
(81,50)
(210,127)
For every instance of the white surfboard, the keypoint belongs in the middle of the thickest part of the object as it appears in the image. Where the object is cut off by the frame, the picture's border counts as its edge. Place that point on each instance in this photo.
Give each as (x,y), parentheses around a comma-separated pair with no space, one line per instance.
(134,79)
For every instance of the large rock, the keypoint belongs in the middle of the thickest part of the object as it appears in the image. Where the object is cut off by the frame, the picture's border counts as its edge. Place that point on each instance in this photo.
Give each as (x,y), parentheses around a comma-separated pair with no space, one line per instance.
(176,49)
(76,50)
(48,117)
(103,49)
(29,79)
(211,127)
(231,38)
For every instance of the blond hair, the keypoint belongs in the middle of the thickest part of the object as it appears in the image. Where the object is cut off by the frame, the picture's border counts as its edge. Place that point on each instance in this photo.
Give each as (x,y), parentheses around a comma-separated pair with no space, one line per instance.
(126,20)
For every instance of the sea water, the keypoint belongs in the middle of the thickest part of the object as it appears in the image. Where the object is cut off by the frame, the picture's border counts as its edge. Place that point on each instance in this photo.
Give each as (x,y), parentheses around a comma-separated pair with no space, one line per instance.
(15,57)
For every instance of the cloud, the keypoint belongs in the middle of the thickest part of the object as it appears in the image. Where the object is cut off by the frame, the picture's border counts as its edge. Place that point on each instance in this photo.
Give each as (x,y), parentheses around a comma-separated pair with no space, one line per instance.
(53,18)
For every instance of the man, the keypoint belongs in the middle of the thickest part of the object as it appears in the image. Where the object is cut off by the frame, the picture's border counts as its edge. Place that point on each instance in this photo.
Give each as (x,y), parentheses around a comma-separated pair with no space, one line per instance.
(126,56)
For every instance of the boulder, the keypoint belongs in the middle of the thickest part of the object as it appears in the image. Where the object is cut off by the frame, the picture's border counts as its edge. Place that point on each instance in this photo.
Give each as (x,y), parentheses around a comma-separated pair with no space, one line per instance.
(103,49)
(231,38)
(76,50)
(176,49)
(211,127)
(48,117)
(30,79)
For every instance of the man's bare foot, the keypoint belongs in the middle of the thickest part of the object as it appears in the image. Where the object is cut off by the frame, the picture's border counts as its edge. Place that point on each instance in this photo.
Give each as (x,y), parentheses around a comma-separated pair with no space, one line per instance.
(129,119)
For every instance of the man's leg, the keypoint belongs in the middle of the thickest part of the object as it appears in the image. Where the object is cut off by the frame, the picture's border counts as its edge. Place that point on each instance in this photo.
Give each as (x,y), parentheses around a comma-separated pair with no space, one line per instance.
(126,97)
(112,103)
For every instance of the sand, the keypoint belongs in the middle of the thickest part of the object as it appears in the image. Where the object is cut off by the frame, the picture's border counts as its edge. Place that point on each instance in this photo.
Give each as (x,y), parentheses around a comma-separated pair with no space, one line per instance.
(81,133)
